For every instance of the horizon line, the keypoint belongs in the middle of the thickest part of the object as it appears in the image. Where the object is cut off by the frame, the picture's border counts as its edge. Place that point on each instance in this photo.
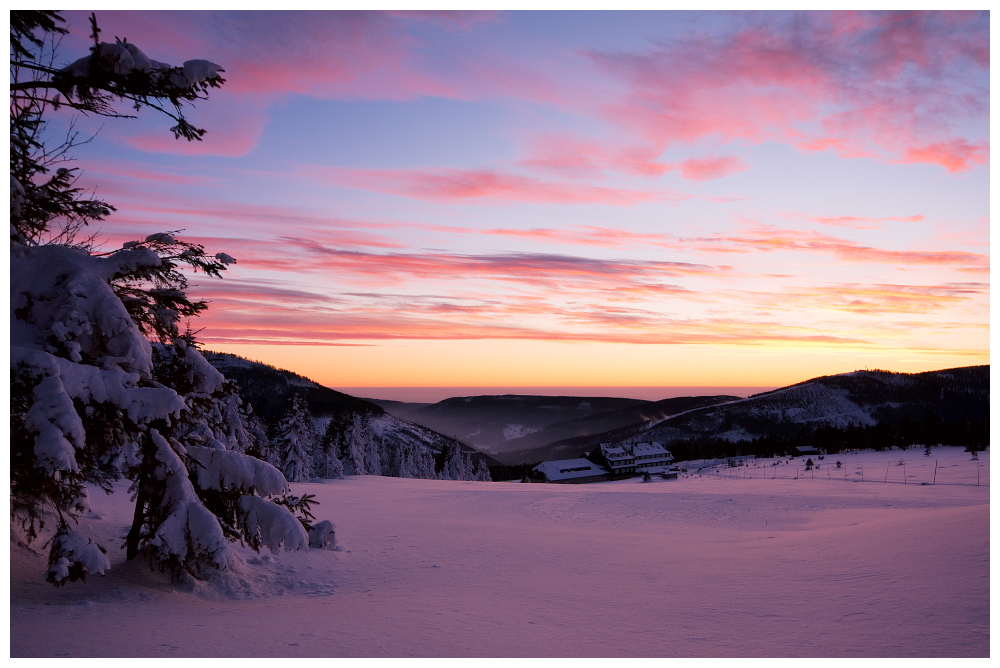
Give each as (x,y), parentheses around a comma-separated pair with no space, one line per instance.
(435,393)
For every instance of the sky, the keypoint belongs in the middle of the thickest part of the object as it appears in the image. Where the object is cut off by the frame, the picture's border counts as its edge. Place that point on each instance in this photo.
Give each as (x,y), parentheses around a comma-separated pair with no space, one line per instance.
(570,198)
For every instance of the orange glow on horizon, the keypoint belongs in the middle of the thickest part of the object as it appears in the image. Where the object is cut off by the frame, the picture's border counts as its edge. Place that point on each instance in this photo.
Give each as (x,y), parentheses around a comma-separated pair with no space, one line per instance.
(546,364)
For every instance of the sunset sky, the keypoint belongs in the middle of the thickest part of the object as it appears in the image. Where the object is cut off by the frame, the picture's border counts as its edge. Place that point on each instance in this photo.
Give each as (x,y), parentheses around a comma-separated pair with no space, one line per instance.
(571,198)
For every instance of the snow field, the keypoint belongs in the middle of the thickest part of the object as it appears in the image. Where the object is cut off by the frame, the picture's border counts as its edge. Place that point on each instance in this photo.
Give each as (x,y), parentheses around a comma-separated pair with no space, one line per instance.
(701,566)
(909,466)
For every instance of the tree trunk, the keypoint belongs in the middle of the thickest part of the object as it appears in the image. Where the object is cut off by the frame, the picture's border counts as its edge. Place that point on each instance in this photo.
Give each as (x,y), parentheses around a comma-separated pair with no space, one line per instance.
(134,533)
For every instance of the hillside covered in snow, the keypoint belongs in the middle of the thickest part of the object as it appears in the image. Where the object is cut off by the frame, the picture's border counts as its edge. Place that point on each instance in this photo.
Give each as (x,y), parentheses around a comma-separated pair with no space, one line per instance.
(374,442)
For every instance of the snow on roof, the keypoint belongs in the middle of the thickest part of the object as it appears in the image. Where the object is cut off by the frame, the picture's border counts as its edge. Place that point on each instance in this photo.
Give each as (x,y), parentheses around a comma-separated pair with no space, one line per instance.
(653,448)
(567,469)
(614,451)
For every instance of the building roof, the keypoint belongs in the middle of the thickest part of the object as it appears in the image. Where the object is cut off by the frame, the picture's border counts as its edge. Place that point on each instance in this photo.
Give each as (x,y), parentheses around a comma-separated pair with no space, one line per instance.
(653,448)
(614,452)
(568,469)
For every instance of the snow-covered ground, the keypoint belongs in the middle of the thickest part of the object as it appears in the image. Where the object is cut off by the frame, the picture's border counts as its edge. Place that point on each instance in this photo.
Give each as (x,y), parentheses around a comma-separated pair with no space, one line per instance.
(755,561)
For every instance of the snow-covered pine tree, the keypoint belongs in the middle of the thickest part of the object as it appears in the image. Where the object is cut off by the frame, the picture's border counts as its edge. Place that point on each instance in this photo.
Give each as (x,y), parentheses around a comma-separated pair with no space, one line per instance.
(417,462)
(373,458)
(352,441)
(260,443)
(460,465)
(294,440)
(441,461)
(406,464)
(483,471)
(423,464)
(88,400)
(326,464)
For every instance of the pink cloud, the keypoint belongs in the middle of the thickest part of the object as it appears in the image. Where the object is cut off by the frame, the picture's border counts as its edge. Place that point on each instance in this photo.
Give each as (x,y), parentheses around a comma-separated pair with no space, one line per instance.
(215,222)
(120,170)
(267,55)
(453,185)
(956,155)
(858,222)
(895,86)
(773,239)
(550,270)
(877,299)
(891,85)
(367,54)
(416,319)
(574,156)
(711,168)
(604,237)
(761,238)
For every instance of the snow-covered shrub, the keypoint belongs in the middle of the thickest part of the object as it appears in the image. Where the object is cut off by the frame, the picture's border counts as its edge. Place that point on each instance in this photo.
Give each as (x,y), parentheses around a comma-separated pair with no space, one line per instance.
(323,535)
(73,556)
(272,525)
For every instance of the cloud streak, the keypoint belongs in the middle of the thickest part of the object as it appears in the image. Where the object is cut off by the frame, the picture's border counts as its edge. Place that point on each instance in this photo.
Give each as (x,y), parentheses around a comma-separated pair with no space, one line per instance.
(485,185)
(336,326)
(760,238)
(878,299)
(776,239)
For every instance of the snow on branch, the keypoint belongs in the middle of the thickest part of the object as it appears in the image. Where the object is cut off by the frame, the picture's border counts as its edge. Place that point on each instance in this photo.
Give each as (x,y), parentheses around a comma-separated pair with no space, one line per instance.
(52,417)
(226,469)
(93,385)
(190,533)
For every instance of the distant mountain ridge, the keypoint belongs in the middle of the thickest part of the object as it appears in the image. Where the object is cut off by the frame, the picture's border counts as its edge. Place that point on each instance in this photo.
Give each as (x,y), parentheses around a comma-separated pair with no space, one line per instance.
(526,429)
(572,438)
(495,423)
(859,398)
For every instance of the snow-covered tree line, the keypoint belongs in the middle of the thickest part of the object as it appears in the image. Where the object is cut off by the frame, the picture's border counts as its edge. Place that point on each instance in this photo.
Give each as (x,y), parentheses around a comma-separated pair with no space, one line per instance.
(93,398)
(357,443)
